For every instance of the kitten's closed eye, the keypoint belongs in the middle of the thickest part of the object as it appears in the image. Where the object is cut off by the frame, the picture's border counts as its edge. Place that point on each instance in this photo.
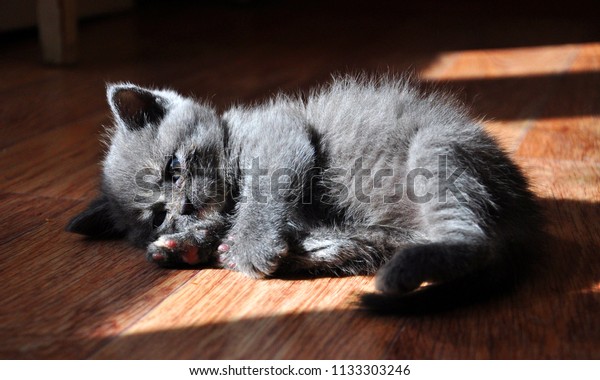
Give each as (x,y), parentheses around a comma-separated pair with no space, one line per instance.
(173,170)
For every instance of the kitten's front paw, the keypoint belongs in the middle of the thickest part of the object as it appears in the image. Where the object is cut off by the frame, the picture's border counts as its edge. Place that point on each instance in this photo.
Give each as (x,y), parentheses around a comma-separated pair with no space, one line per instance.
(254,260)
(169,250)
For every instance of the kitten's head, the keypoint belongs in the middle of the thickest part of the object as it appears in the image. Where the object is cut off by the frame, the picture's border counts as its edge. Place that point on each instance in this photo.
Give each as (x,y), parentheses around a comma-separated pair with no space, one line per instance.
(161,171)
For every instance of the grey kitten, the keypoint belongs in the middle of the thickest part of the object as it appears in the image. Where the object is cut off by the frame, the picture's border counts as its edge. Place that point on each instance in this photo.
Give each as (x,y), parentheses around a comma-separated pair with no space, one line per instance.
(359,176)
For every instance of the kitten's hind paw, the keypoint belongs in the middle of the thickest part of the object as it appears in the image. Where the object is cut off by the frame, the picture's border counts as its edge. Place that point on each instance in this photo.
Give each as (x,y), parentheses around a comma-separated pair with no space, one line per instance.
(168,251)
(400,275)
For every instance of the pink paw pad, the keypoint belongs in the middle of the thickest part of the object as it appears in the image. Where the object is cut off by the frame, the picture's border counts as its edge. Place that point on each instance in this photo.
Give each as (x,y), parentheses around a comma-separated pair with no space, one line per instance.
(190,255)
(171,244)
(157,257)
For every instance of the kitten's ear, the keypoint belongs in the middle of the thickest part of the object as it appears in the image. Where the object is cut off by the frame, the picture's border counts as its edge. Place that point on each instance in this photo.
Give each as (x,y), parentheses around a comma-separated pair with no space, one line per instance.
(96,221)
(135,107)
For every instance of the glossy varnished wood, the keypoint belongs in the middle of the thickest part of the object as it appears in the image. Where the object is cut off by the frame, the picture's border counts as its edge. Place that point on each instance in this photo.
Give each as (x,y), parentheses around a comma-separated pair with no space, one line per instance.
(533,80)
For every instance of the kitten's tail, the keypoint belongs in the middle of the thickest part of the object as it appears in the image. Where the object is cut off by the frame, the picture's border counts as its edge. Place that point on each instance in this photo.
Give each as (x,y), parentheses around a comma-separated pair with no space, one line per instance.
(437,277)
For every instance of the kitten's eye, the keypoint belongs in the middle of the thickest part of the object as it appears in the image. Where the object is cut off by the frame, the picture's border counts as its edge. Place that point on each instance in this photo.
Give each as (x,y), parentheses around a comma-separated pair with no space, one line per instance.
(159,218)
(174,169)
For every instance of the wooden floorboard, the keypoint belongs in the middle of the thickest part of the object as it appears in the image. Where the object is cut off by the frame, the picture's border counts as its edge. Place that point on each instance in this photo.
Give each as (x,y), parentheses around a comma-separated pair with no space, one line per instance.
(534,81)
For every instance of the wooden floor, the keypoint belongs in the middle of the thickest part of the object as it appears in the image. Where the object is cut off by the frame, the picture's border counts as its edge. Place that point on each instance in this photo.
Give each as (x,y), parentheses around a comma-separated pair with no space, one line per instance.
(533,77)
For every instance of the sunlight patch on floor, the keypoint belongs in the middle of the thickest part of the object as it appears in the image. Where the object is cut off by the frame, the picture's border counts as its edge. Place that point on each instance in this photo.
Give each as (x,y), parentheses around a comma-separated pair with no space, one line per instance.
(219,297)
(502,63)
(593,289)
(508,134)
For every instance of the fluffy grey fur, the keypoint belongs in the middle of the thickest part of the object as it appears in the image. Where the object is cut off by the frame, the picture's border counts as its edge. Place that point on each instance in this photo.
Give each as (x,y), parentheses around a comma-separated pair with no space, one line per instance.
(359,176)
